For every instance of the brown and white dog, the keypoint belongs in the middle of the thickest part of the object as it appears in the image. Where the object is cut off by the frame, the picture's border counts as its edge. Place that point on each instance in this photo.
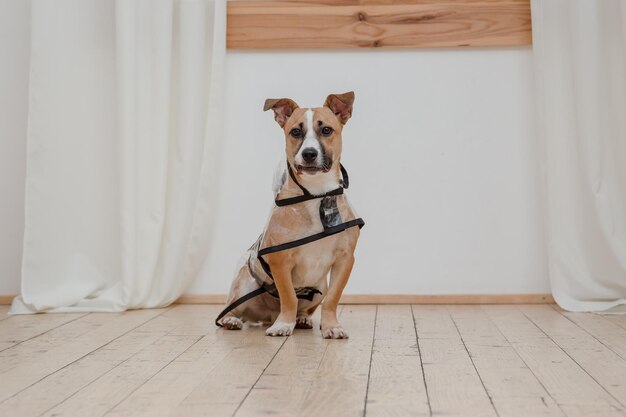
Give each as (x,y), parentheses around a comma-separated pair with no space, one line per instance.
(313,151)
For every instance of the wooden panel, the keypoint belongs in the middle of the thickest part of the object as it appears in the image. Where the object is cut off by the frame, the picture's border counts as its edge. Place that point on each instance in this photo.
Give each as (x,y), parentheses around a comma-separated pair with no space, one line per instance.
(325,24)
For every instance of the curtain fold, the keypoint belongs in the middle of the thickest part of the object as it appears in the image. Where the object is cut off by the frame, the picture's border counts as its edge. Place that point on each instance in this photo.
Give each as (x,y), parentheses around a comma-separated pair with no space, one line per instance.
(580,63)
(124,134)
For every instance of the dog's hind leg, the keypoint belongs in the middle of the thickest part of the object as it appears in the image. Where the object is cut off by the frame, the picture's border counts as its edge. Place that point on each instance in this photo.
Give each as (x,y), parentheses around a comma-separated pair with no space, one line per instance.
(304,322)
(303,319)
(232,323)
(242,284)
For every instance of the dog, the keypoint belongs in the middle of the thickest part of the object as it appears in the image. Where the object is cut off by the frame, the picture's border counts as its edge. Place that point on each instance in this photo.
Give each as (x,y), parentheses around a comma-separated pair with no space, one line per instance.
(293,282)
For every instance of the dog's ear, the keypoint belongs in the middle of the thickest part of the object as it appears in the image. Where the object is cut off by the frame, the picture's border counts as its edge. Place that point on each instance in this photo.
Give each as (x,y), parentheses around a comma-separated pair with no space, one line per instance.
(341,105)
(283,107)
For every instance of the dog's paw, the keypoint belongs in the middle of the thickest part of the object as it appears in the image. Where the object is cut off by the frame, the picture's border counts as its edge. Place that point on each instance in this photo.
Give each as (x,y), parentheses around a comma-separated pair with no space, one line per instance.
(334,333)
(304,322)
(280,328)
(232,323)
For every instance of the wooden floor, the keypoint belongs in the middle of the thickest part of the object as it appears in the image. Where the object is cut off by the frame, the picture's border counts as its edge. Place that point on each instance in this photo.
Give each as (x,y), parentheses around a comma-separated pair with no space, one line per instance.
(400,360)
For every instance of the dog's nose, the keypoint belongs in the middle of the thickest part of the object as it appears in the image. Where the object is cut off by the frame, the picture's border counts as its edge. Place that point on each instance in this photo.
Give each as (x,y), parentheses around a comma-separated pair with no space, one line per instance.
(309,154)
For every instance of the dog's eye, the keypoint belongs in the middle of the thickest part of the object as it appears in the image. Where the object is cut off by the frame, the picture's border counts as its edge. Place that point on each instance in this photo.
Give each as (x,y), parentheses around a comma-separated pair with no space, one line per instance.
(296,133)
(327,131)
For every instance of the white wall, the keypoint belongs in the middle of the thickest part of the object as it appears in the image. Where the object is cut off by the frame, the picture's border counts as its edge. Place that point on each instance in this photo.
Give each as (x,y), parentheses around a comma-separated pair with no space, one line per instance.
(442,159)
(440,150)
(14,59)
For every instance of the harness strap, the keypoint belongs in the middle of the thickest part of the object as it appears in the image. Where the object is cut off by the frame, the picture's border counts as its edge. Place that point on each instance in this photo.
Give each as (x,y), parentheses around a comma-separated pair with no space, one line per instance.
(265,266)
(328,232)
(242,300)
(345,182)
(306,197)
(293,177)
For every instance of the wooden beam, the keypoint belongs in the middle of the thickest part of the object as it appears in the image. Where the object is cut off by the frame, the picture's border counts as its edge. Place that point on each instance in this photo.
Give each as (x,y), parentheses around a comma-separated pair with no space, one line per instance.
(386,299)
(327,24)
(404,299)
(6,299)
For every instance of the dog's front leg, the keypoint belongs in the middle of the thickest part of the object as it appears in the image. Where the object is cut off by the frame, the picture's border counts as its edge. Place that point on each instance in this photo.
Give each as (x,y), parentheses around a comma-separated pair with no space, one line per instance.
(339,274)
(286,320)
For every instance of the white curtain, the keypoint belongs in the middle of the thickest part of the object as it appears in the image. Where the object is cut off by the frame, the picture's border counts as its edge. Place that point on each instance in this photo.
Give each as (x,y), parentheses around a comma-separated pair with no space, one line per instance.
(580,55)
(124,130)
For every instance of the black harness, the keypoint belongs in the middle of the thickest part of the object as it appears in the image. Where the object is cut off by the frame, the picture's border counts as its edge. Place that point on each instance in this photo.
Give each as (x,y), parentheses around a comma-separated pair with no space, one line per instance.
(331,220)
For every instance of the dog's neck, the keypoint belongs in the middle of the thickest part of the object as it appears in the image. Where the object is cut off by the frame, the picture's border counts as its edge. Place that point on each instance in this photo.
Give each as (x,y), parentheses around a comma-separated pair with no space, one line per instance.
(318,184)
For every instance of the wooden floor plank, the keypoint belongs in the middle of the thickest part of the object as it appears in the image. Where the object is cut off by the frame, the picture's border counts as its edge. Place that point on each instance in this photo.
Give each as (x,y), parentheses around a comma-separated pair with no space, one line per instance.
(503,361)
(35,347)
(226,385)
(454,386)
(604,365)
(617,319)
(112,388)
(340,386)
(513,387)
(606,331)
(19,328)
(163,393)
(572,388)
(396,385)
(67,382)
(282,388)
(25,374)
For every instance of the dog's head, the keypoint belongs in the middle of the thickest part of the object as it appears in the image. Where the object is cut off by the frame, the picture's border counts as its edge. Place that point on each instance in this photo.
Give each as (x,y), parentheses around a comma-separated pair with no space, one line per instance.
(313,135)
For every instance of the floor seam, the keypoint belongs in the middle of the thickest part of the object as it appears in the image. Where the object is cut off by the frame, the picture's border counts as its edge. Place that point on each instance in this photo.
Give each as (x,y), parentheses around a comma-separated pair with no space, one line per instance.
(469,355)
(260,374)
(83,356)
(419,351)
(42,333)
(574,360)
(369,371)
(525,363)
(590,334)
